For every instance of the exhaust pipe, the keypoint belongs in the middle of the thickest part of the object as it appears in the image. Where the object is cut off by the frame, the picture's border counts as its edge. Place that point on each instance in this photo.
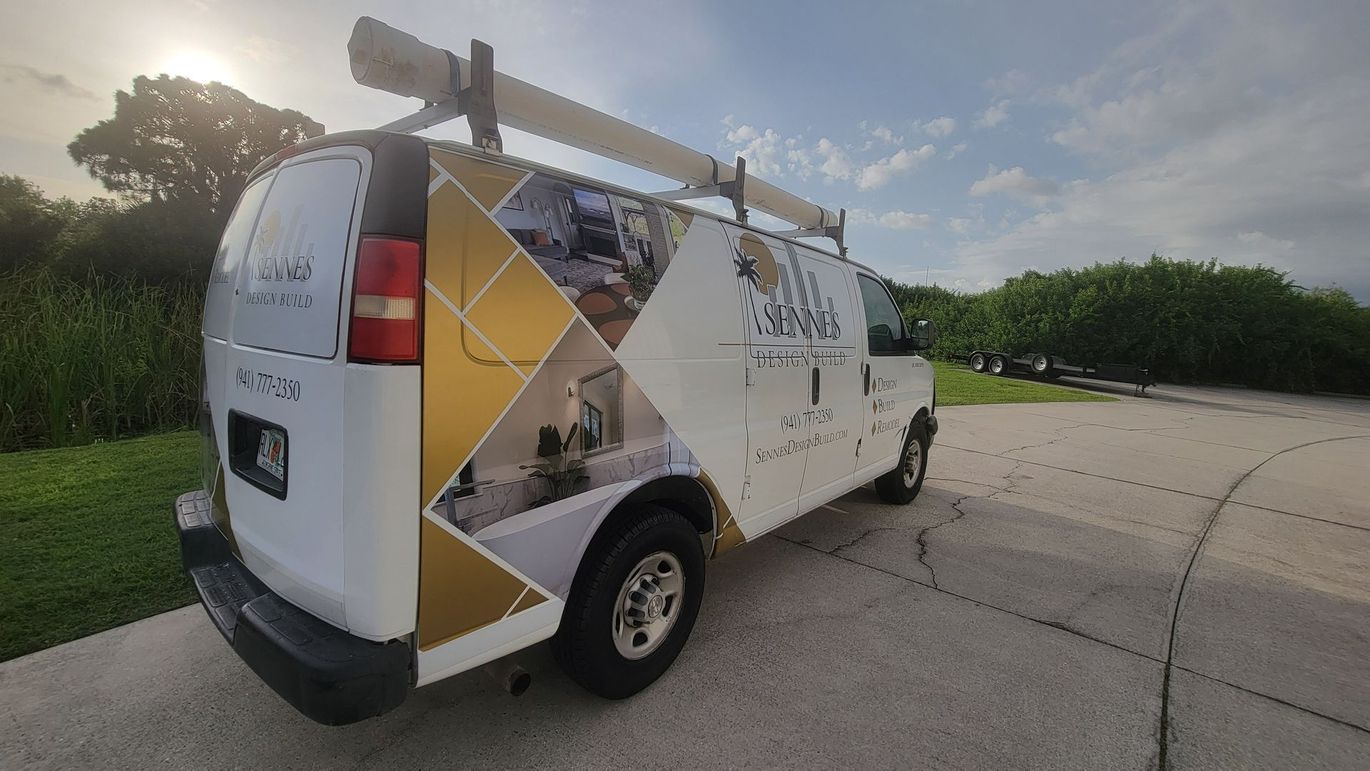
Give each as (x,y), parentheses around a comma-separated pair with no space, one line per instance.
(511,677)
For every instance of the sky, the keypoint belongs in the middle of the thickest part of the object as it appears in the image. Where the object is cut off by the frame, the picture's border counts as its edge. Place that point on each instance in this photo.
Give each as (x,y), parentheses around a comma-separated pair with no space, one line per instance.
(968,141)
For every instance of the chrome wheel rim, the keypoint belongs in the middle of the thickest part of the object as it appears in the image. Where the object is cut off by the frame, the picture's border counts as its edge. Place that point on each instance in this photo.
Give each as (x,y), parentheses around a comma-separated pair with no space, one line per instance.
(977,362)
(913,463)
(648,605)
(996,366)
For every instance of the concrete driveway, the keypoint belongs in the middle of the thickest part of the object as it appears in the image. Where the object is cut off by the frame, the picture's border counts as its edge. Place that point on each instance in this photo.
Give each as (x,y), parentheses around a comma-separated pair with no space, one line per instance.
(1182,581)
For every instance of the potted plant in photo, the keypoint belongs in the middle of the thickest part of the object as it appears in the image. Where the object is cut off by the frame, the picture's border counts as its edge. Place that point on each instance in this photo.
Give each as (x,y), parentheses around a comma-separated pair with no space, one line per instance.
(641,281)
(562,472)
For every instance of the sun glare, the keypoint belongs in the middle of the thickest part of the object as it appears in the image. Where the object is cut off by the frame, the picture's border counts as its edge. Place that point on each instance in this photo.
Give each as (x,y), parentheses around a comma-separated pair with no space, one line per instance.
(196,65)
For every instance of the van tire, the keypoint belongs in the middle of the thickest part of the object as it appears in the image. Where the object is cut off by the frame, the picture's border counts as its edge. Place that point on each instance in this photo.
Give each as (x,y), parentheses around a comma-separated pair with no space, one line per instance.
(585,644)
(896,486)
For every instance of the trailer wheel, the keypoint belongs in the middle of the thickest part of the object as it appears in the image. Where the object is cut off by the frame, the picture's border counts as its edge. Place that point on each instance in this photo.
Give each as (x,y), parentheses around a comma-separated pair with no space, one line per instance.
(977,362)
(998,365)
(901,485)
(633,603)
(1041,364)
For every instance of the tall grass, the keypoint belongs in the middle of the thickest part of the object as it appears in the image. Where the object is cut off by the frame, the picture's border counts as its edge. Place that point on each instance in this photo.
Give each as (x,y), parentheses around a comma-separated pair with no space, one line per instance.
(99,358)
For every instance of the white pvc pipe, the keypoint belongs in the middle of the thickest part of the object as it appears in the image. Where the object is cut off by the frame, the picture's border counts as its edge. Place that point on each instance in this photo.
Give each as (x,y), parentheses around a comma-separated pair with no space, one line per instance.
(385,58)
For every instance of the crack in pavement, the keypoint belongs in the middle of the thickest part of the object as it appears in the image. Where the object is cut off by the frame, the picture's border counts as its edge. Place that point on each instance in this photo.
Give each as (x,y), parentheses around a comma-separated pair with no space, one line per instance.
(1184,583)
(922,537)
(1048,443)
(858,539)
(1201,496)
(965,482)
(983,603)
(1063,627)
(1161,757)
(1009,484)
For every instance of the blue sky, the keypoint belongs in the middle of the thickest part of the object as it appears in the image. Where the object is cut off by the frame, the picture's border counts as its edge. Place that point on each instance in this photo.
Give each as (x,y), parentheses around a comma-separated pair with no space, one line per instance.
(968,140)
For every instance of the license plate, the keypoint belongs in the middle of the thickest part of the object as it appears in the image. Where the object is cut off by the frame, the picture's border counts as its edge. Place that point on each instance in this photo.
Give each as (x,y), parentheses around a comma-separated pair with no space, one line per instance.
(271,452)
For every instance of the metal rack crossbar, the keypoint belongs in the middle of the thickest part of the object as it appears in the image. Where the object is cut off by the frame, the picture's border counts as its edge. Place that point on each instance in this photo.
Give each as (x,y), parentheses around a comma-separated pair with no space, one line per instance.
(385,58)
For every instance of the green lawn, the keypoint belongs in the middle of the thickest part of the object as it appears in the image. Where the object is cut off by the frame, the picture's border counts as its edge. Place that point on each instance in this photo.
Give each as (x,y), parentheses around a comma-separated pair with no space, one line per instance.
(87,541)
(86,537)
(957,385)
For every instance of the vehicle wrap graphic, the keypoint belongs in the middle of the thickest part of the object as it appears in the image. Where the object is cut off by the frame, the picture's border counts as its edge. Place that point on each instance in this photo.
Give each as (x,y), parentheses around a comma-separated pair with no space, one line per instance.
(532,282)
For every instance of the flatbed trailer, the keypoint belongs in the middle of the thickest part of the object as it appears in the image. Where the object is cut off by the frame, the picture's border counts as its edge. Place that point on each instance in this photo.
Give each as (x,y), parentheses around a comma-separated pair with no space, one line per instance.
(1051,366)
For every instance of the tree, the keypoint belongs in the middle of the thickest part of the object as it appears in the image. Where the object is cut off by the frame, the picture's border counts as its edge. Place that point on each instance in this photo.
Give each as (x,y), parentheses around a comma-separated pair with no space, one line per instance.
(29,222)
(156,241)
(175,140)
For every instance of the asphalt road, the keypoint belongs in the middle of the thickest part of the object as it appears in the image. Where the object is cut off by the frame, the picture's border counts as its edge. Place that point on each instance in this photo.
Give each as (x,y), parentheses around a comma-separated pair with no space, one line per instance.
(1180,581)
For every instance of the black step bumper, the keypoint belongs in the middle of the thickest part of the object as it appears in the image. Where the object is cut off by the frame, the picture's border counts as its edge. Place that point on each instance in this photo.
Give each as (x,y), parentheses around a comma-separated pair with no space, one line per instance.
(327,674)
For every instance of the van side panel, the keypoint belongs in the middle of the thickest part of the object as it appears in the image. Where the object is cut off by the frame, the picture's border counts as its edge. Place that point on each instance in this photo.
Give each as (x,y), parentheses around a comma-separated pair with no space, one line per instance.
(472,605)
(578,341)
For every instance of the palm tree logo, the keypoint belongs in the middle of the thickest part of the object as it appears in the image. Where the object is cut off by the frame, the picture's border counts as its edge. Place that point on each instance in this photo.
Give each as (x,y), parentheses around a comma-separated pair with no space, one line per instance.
(746,268)
(755,263)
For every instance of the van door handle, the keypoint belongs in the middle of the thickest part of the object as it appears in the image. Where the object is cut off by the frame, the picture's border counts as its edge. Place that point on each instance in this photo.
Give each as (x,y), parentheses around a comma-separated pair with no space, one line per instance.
(866,378)
(815,386)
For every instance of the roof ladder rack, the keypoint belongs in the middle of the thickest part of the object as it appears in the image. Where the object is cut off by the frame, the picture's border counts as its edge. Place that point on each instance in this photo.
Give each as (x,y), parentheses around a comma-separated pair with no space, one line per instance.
(476,102)
(837,233)
(387,59)
(733,189)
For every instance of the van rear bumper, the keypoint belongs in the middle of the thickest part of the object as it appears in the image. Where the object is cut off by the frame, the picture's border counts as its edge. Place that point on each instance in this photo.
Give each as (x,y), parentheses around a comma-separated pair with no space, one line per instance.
(330,676)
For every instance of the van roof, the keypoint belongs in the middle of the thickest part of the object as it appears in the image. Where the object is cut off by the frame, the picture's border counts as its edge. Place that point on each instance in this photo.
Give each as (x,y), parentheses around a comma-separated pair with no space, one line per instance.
(369,138)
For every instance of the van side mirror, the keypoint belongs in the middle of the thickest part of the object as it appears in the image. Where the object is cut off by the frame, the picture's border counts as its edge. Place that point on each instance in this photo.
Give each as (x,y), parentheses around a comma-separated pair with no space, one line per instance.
(923,336)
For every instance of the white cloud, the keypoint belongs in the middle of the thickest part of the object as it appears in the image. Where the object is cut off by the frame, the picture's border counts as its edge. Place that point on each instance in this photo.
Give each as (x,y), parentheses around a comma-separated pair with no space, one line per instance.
(798,158)
(50,82)
(764,150)
(1233,132)
(884,134)
(882,171)
(1011,83)
(893,220)
(956,149)
(937,127)
(993,115)
(1015,182)
(959,225)
(836,163)
(1264,243)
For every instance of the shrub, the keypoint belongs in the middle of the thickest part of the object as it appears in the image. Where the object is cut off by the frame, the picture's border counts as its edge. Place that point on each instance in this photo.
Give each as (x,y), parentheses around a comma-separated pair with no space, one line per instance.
(99,358)
(1189,321)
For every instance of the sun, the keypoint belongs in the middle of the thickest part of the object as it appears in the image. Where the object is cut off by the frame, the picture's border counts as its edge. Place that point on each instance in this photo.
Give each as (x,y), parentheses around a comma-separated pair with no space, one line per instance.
(197,65)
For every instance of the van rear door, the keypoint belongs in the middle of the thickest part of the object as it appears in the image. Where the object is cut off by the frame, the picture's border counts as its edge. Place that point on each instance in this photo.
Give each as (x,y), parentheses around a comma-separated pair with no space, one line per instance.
(280,418)
(319,455)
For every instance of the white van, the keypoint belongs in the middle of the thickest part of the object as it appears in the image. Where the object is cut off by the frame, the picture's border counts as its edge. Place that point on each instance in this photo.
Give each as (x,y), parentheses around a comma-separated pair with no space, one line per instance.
(456,404)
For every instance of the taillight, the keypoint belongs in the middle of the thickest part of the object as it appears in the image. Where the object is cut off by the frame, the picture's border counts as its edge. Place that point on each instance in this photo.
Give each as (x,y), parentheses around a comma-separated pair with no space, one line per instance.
(385,302)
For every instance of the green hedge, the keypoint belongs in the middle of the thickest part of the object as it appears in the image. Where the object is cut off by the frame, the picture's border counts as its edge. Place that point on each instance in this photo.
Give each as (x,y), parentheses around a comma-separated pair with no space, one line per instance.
(1191,322)
(104,357)
(97,358)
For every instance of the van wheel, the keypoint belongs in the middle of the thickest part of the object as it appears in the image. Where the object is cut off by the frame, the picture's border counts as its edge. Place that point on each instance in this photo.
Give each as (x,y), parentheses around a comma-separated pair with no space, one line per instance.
(902,484)
(633,603)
